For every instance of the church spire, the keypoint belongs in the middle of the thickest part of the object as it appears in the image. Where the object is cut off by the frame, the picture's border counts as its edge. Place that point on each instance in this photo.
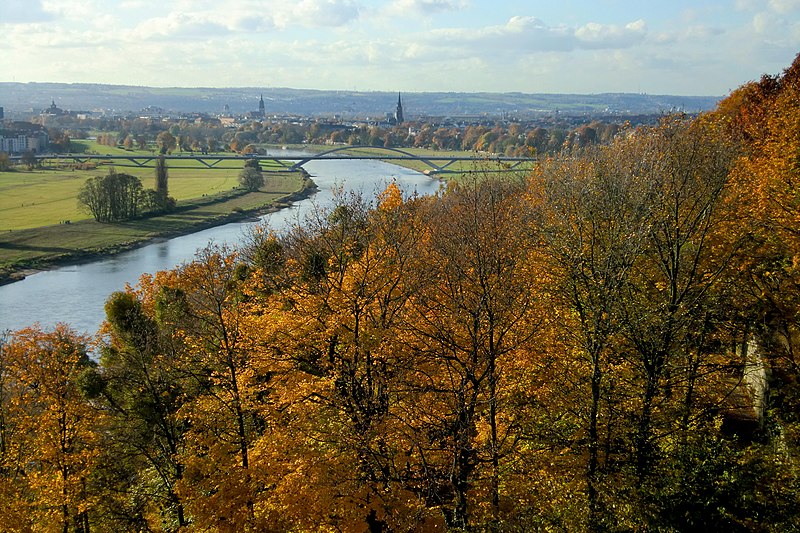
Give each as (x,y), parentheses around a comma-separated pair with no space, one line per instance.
(398,114)
(261,106)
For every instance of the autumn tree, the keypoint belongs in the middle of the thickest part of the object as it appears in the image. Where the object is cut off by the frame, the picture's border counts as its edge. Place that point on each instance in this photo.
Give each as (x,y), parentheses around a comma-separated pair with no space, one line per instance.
(127,143)
(166,142)
(473,323)
(203,306)
(642,239)
(595,223)
(336,289)
(672,310)
(339,284)
(766,115)
(12,491)
(50,432)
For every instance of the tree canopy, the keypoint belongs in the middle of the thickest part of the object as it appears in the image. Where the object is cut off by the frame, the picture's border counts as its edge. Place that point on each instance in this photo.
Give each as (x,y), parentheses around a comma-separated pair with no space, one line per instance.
(251,177)
(113,197)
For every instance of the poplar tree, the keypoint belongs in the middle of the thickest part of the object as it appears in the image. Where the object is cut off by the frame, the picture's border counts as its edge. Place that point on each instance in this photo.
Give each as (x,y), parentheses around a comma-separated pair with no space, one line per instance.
(162,190)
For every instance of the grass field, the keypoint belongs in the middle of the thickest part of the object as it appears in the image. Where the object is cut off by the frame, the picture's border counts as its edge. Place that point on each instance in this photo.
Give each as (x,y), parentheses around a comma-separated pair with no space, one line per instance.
(41,197)
(35,205)
(46,245)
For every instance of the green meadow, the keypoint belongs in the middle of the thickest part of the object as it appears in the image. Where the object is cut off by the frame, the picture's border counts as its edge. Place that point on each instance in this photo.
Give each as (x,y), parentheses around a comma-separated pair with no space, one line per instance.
(40,197)
(41,223)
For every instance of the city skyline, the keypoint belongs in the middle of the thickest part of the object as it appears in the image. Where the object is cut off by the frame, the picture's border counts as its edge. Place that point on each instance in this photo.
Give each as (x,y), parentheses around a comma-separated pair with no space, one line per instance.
(685,47)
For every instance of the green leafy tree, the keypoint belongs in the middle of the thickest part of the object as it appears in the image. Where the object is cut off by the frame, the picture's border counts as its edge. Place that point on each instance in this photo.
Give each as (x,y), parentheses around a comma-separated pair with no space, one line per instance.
(251,177)
(112,197)
(138,384)
(162,189)
(29,159)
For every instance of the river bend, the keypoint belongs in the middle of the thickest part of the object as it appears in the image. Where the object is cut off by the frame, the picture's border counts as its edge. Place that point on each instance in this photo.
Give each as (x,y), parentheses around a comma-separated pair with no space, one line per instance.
(76,294)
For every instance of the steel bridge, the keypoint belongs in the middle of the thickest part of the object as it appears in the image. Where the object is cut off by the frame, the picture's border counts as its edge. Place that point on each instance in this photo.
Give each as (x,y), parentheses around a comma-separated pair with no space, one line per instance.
(437,164)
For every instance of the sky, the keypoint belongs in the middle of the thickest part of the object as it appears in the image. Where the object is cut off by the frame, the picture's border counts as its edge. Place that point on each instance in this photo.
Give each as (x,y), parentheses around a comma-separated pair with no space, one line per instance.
(680,47)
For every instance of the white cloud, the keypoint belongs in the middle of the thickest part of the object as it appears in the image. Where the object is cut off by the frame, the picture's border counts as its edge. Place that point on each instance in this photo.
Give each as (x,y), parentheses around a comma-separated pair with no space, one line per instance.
(686,34)
(763,22)
(425,7)
(777,6)
(593,35)
(74,9)
(784,6)
(178,25)
(250,22)
(519,33)
(776,30)
(133,4)
(522,35)
(318,13)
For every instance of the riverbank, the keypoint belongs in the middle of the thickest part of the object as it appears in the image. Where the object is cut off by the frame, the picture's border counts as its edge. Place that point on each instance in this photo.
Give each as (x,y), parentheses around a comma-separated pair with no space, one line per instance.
(23,252)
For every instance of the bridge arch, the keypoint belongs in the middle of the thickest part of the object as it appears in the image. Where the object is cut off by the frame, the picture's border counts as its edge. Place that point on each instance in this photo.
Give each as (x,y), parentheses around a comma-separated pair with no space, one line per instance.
(346,148)
(402,154)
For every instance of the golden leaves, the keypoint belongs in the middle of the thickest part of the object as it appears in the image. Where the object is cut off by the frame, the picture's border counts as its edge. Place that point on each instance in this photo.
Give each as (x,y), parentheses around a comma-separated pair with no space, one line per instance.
(52,428)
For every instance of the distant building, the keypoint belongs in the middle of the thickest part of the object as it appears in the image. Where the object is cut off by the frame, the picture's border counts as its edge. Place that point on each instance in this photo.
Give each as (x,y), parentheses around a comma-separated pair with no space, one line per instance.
(398,114)
(53,110)
(1,113)
(28,137)
(261,113)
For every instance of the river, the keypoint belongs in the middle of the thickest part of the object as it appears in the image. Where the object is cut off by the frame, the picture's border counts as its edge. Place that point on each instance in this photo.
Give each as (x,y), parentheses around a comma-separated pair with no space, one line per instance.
(76,294)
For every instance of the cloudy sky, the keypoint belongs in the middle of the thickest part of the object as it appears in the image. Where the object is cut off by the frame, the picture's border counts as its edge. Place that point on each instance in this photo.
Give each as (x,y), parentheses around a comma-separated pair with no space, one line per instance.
(683,47)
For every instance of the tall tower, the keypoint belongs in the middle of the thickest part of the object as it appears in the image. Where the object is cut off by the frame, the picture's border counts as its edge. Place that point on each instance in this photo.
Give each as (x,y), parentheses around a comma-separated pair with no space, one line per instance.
(398,114)
(261,111)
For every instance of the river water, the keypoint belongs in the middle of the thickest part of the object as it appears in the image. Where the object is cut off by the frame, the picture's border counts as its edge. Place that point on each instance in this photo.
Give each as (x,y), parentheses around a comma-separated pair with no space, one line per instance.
(76,294)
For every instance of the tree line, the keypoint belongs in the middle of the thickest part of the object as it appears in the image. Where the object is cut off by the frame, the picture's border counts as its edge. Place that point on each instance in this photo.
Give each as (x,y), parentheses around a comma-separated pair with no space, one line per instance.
(508,138)
(558,351)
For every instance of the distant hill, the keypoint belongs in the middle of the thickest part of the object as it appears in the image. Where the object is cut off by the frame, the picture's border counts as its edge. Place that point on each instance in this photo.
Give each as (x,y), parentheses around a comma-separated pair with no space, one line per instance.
(19,98)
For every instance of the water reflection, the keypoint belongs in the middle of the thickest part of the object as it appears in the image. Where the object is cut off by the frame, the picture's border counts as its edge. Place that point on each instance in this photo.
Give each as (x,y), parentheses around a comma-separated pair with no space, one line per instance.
(162,249)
